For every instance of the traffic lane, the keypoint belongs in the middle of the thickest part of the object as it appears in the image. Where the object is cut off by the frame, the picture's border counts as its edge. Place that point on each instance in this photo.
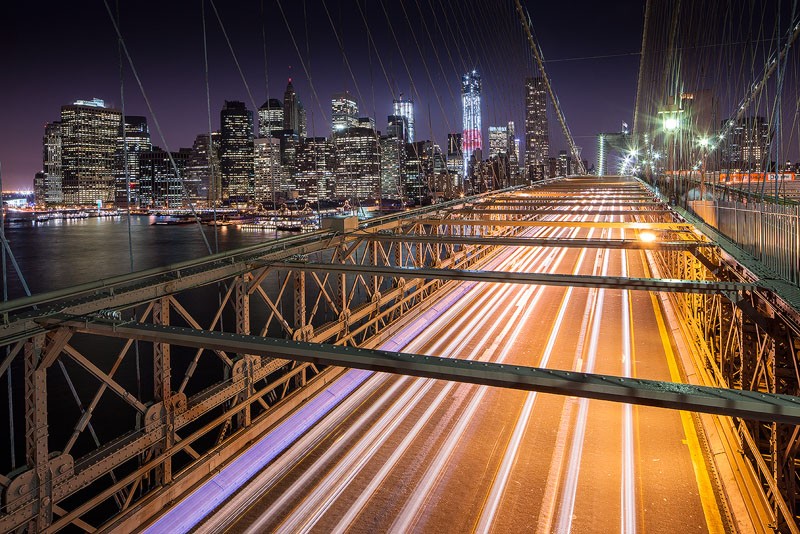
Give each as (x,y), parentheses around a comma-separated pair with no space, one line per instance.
(495,289)
(491,431)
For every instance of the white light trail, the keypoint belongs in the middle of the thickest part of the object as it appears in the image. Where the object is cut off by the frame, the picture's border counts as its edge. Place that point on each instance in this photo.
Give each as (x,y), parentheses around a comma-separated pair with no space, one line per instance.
(567,506)
(501,479)
(628,497)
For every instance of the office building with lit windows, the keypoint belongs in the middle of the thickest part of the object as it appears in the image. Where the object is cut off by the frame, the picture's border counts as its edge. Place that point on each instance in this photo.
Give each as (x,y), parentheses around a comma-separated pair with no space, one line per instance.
(270,117)
(49,191)
(236,152)
(136,139)
(291,109)
(201,176)
(537,137)
(358,164)
(498,140)
(160,186)
(315,165)
(344,112)
(89,133)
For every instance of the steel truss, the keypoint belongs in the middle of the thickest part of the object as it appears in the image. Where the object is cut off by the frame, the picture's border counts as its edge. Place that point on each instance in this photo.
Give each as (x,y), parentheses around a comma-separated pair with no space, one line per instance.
(745,340)
(114,446)
(143,421)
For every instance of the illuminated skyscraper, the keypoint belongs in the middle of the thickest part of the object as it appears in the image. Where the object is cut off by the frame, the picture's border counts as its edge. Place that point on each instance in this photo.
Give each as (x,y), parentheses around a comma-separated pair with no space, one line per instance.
(405,108)
(270,117)
(202,169)
(88,147)
(747,146)
(358,163)
(344,112)
(136,141)
(51,192)
(236,152)
(291,109)
(498,140)
(537,138)
(159,185)
(267,170)
(471,139)
(314,177)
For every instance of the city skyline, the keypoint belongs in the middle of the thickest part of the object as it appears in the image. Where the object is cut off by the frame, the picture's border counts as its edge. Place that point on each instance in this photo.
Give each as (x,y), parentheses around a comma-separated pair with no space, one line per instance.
(95,72)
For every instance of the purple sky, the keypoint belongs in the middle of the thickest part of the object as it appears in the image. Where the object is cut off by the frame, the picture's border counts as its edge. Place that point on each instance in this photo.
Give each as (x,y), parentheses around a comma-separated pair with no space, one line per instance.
(56,54)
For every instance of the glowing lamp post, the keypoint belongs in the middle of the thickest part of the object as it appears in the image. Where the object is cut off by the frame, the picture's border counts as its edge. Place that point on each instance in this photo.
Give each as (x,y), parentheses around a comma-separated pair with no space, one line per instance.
(671,122)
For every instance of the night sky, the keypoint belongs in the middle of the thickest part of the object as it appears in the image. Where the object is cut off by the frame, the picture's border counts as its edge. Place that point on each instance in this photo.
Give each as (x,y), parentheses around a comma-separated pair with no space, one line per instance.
(56,52)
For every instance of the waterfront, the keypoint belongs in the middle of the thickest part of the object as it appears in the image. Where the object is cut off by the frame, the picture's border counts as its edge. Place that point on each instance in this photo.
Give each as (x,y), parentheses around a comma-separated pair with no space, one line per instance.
(63,253)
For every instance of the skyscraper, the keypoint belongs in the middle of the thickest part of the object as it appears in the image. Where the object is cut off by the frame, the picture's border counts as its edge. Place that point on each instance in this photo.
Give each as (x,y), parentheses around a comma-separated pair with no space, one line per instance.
(89,132)
(159,185)
(498,140)
(268,170)
(393,152)
(291,109)
(746,147)
(537,138)
(51,192)
(314,176)
(397,127)
(202,169)
(358,163)
(405,108)
(270,117)
(236,152)
(472,138)
(135,141)
(344,112)
(455,158)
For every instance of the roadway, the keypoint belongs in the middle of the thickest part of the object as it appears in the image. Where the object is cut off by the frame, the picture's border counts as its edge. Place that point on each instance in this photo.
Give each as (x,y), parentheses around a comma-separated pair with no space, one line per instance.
(402,453)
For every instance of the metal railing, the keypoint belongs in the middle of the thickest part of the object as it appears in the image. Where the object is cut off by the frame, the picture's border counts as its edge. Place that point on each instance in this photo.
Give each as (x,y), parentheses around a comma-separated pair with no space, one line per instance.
(768,232)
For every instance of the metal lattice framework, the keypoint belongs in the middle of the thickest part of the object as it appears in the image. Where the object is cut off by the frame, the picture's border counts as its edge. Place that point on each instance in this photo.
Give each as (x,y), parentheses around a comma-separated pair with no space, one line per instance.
(100,444)
(112,445)
(745,340)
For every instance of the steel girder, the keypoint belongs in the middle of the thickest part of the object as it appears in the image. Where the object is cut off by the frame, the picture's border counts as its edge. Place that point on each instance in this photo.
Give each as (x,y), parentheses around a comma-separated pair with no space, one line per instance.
(751,405)
(194,405)
(575,280)
(746,343)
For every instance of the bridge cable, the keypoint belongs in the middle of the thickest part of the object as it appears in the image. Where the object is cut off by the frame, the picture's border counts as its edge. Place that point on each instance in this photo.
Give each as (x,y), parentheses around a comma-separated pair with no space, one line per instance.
(557,108)
(155,121)
(126,174)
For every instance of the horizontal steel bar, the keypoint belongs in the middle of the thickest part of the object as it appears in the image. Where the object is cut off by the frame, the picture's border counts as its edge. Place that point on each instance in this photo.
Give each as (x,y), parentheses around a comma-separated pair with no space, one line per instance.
(558,224)
(540,242)
(575,280)
(751,405)
(548,211)
(577,201)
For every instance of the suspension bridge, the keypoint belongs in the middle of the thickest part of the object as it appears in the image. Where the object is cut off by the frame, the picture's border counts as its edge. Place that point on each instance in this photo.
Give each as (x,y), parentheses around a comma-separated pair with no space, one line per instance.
(587,353)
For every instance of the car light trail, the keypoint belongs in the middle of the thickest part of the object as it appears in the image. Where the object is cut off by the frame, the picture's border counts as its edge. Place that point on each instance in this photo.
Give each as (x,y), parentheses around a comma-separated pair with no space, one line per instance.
(570,489)
(628,514)
(501,480)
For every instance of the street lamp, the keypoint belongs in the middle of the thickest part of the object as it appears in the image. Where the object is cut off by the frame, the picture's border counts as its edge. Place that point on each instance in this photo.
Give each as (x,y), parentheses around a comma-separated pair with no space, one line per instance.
(672,124)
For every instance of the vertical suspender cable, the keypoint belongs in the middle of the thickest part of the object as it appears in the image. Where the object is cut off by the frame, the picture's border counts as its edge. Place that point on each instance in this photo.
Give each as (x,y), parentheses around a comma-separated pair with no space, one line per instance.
(210,147)
(12,446)
(126,173)
(155,119)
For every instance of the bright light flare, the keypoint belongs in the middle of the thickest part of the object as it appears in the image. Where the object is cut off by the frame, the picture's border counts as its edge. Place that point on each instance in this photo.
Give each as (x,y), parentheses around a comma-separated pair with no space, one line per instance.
(647,237)
(671,123)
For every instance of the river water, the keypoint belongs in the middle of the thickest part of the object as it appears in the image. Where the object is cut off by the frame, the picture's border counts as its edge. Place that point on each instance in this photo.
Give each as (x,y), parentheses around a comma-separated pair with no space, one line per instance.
(62,253)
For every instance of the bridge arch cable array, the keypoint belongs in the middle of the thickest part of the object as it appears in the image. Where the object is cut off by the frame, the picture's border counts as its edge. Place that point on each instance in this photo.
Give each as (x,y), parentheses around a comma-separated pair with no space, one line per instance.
(723,73)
